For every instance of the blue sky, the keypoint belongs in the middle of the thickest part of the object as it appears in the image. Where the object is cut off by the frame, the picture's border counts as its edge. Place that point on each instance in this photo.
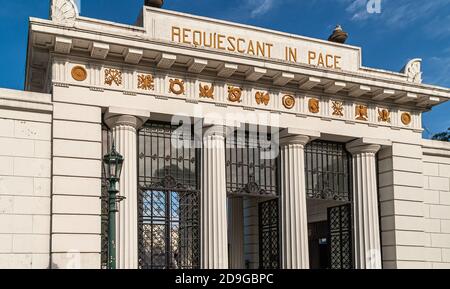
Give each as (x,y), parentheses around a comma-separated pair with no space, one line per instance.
(403,30)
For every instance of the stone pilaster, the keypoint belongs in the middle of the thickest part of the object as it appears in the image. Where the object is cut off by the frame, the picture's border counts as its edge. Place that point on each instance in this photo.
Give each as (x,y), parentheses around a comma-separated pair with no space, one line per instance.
(236,232)
(294,222)
(124,128)
(365,199)
(214,239)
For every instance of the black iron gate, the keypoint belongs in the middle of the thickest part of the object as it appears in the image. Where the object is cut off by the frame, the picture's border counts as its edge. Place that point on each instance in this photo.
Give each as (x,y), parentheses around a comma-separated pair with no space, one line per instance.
(340,237)
(269,255)
(252,172)
(169,216)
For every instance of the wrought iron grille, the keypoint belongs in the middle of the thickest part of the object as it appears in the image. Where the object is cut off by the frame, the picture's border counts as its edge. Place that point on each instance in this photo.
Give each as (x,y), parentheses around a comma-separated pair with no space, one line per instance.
(248,173)
(269,257)
(169,216)
(327,168)
(340,237)
(106,146)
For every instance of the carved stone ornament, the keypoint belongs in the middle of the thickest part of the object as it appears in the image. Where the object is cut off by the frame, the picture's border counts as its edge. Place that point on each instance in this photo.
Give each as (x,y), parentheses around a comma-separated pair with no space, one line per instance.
(79,73)
(206,91)
(338,108)
(406,118)
(384,115)
(64,11)
(262,97)
(176,86)
(234,94)
(362,112)
(313,105)
(146,82)
(113,76)
(288,101)
(413,70)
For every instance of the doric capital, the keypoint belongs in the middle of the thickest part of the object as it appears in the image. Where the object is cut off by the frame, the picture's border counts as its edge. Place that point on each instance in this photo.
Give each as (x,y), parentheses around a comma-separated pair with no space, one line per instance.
(367,145)
(297,136)
(294,139)
(215,130)
(368,148)
(123,120)
(116,116)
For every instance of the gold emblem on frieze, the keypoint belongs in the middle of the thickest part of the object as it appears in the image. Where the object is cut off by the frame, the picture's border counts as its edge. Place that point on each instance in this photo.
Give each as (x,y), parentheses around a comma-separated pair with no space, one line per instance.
(176,86)
(338,108)
(262,97)
(146,82)
(79,73)
(406,118)
(384,115)
(313,105)
(288,101)
(361,112)
(206,91)
(113,76)
(234,94)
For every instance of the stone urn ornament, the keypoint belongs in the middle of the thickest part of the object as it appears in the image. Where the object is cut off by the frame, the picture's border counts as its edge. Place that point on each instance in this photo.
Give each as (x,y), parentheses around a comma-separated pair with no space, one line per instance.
(338,36)
(154,3)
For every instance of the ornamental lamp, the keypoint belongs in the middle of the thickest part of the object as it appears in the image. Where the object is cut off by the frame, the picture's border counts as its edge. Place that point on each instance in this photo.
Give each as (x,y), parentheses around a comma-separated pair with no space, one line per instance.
(112,164)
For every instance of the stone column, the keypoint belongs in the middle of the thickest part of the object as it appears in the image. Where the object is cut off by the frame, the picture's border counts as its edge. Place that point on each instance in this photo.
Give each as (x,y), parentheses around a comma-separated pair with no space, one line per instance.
(294,216)
(124,129)
(236,232)
(365,209)
(214,239)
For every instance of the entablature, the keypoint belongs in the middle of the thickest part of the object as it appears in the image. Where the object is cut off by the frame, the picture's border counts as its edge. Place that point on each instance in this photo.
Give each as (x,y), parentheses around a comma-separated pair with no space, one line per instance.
(357,85)
(177,83)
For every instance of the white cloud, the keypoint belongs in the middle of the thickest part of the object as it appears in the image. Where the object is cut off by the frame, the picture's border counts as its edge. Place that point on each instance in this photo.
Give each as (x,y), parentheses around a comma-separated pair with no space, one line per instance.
(398,13)
(259,7)
(437,70)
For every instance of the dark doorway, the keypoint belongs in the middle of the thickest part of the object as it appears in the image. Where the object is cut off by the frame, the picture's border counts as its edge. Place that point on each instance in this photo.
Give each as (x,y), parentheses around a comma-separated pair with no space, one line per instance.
(319,257)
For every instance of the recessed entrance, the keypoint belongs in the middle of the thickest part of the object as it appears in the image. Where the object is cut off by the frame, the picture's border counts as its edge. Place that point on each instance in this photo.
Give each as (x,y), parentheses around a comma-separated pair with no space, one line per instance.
(328,188)
(252,187)
(168,208)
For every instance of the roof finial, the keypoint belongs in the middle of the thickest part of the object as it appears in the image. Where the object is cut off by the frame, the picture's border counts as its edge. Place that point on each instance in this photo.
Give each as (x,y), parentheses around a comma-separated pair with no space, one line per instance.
(338,36)
(154,3)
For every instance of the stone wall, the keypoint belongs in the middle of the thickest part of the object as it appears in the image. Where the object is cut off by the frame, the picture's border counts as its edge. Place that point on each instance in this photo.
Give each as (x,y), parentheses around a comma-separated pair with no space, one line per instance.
(436,177)
(401,206)
(25,177)
(76,210)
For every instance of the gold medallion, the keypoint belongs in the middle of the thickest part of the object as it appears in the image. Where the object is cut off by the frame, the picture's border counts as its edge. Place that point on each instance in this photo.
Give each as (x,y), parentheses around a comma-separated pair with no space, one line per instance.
(262,97)
(79,73)
(234,94)
(288,101)
(176,86)
(113,76)
(146,82)
(206,91)
(406,118)
(313,105)
(361,112)
(338,108)
(384,115)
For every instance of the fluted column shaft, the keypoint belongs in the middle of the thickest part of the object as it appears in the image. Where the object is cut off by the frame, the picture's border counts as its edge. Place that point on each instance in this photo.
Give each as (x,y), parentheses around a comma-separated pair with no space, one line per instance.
(294,217)
(124,135)
(366,216)
(214,239)
(236,232)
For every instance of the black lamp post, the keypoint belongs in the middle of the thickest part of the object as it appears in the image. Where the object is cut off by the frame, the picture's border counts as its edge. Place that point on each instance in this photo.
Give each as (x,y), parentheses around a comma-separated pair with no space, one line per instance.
(112,163)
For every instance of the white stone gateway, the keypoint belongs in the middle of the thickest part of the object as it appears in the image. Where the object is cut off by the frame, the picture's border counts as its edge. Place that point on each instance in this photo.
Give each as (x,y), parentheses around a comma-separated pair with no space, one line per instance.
(349,174)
